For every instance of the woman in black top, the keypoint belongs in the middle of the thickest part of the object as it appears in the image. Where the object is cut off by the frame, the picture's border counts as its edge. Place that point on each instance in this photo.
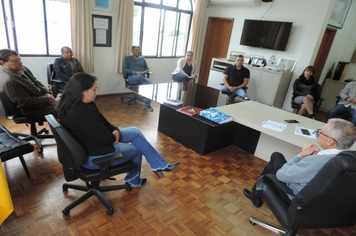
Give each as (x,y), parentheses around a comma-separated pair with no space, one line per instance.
(305,91)
(79,114)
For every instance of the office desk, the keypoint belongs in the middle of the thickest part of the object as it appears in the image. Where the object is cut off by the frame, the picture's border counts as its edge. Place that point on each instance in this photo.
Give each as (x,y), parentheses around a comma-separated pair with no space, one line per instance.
(262,142)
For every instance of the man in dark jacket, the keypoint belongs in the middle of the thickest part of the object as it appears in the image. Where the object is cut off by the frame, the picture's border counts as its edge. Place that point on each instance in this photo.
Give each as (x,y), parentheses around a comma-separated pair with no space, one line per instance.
(20,86)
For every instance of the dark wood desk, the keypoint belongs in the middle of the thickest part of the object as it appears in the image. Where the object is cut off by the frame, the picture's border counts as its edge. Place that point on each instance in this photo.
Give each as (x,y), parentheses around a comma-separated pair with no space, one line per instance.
(193,132)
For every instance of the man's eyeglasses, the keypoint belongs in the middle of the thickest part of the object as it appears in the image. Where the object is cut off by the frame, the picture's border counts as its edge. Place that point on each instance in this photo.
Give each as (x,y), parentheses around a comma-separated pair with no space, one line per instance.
(319,132)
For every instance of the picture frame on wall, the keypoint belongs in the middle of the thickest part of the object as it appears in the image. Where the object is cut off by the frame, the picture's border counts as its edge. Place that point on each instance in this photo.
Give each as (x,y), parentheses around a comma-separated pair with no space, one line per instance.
(102,30)
(101,5)
(339,13)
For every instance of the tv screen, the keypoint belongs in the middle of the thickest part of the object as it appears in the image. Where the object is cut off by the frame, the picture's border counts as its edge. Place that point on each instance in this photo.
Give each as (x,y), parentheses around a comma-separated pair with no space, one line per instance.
(266,34)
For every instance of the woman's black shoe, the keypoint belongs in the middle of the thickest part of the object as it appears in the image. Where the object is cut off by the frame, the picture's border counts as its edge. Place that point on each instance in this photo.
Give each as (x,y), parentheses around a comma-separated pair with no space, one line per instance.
(169,168)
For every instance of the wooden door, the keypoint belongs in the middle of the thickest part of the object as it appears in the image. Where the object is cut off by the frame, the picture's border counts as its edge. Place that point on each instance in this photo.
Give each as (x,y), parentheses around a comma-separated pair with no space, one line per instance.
(323,52)
(216,44)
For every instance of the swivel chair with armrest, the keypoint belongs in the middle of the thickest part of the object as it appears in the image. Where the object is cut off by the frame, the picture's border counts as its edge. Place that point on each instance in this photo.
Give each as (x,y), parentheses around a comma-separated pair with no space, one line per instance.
(327,201)
(317,101)
(133,88)
(8,109)
(346,115)
(12,147)
(72,156)
(53,84)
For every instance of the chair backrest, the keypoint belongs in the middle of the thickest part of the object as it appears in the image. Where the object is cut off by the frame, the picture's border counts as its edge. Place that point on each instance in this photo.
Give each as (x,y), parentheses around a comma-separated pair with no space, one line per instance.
(50,72)
(70,152)
(328,200)
(7,107)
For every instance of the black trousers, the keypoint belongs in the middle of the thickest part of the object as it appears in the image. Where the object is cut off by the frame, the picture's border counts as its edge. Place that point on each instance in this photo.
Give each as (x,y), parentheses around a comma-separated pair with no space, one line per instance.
(276,162)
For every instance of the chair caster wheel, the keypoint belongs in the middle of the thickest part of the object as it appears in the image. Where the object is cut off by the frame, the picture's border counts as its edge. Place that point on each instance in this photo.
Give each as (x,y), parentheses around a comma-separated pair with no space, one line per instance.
(128,103)
(65,211)
(46,131)
(39,151)
(128,189)
(64,188)
(110,212)
(252,223)
(122,98)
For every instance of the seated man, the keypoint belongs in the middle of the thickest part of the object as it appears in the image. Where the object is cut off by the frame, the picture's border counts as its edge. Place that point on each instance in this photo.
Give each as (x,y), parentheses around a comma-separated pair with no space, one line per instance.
(20,86)
(65,66)
(335,136)
(136,67)
(346,103)
(235,79)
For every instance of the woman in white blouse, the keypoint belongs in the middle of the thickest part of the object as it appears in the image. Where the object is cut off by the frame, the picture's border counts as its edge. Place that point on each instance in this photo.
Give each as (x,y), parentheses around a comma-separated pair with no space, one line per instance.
(186,69)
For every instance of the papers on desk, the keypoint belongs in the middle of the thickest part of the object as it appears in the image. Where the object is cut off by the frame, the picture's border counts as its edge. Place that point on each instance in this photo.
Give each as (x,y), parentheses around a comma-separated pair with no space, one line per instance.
(279,127)
(305,132)
(173,102)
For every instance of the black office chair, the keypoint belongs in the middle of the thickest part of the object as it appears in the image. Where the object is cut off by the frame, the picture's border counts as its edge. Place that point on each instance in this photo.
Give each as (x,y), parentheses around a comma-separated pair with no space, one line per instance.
(327,201)
(8,109)
(53,84)
(72,156)
(317,101)
(132,87)
(11,147)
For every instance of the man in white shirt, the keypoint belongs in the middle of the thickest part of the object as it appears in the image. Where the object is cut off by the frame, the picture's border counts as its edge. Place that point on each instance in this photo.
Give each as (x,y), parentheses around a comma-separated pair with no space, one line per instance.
(335,136)
(347,102)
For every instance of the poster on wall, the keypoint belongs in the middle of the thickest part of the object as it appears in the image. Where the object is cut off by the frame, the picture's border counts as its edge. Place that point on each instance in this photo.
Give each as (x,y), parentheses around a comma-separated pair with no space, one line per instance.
(102,5)
(339,13)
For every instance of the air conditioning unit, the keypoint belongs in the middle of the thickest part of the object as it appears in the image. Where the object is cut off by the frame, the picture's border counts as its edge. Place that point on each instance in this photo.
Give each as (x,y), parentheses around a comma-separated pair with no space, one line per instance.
(237,3)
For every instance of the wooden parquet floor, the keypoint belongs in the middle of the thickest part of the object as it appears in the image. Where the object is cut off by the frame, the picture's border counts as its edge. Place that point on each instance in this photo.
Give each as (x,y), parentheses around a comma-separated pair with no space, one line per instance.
(203,196)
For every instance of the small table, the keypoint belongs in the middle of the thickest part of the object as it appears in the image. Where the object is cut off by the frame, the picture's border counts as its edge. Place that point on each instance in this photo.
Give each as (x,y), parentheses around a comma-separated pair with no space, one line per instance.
(193,132)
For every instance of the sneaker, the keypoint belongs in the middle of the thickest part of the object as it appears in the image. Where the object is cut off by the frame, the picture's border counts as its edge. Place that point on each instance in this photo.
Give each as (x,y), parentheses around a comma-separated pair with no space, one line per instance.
(148,107)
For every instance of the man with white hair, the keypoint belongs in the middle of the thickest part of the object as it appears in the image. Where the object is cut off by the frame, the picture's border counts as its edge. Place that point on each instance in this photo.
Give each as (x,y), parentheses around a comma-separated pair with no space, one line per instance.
(335,136)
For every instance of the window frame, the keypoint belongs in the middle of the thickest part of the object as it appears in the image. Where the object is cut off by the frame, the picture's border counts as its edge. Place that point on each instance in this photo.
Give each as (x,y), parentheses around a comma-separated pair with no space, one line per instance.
(163,9)
(14,35)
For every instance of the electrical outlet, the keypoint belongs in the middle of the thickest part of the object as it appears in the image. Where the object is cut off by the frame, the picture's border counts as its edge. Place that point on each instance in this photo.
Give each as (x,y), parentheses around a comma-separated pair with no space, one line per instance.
(117,83)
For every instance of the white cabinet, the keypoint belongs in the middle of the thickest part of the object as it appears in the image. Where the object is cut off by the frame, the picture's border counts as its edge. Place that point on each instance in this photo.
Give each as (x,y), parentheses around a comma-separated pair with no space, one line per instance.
(266,86)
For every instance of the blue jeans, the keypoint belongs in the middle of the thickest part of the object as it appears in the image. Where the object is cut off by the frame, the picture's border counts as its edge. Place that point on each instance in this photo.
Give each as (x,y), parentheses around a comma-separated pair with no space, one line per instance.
(139,79)
(132,145)
(179,77)
(333,112)
(240,92)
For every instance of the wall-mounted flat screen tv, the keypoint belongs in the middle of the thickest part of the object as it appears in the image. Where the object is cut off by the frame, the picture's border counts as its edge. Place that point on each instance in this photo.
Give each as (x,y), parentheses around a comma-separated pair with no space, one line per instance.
(266,34)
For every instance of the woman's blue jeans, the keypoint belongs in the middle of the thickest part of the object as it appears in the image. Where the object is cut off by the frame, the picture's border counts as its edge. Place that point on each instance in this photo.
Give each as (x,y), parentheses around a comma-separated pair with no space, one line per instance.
(132,145)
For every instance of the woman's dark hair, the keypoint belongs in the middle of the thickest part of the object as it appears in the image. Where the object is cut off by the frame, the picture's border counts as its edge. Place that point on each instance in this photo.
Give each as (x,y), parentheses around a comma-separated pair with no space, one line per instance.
(310,68)
(73,92)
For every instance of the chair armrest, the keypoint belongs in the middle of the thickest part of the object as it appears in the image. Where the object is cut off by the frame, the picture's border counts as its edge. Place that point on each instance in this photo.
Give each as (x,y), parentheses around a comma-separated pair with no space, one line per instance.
(281,186)
(104,163)
(107,159)
(56,81)
(337,99)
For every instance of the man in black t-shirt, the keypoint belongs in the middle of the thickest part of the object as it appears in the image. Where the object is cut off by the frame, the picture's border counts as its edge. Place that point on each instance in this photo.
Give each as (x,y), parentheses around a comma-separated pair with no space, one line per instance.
(235,79)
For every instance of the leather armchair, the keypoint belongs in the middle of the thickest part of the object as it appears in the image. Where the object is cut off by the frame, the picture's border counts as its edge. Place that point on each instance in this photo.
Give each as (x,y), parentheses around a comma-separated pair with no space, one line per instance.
(8,109)
(72,156)
(327,201)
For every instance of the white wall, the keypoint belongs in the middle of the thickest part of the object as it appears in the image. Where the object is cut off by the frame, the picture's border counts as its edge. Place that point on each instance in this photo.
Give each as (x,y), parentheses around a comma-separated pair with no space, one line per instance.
(309,19)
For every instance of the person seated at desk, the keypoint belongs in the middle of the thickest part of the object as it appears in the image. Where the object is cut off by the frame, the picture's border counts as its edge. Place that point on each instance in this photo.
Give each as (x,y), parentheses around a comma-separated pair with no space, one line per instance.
(186,69)
(79,114)
(65,66)
(21,87)
(335,136)
(305,91)
(235,79)
(136,67)
(347,102)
